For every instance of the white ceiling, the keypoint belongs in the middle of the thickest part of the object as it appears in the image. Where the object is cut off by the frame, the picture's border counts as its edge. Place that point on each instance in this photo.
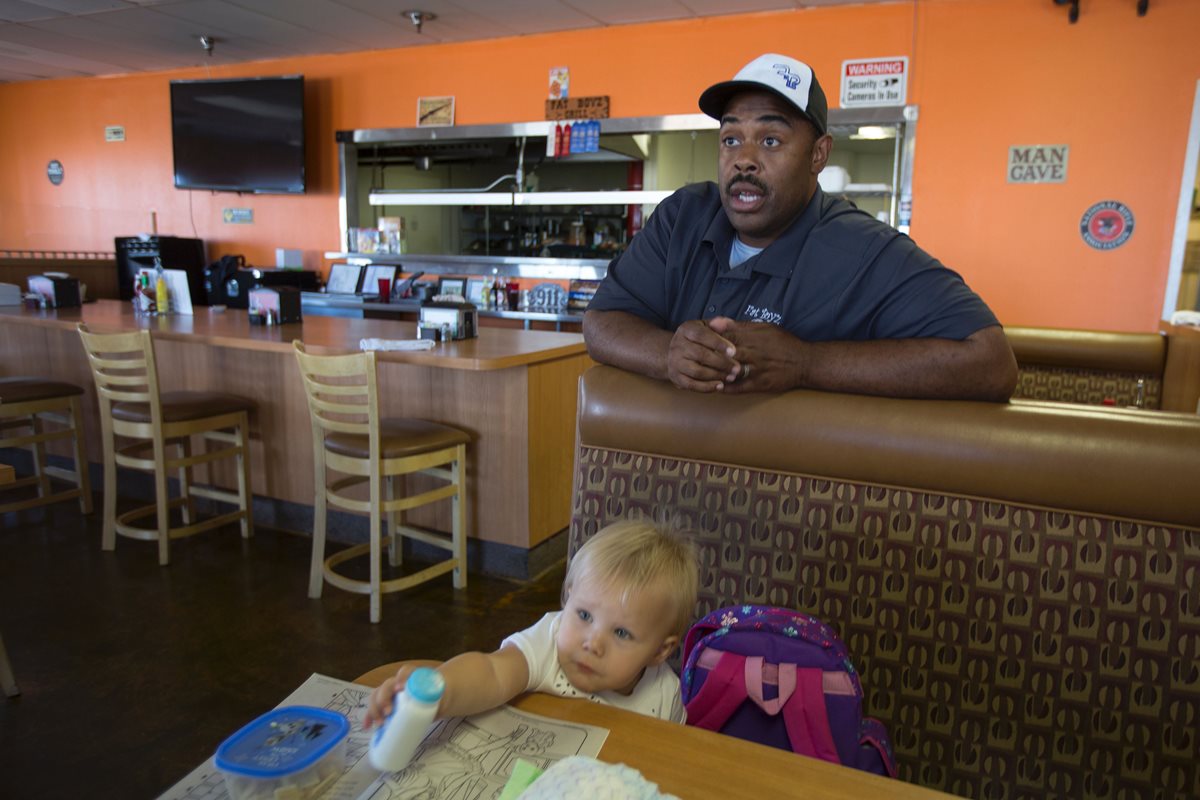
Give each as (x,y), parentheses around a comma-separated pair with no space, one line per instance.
(76,38)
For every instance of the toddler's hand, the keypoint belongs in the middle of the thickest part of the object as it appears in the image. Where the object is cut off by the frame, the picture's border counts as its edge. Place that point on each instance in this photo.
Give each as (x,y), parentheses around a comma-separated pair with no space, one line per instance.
(380,703)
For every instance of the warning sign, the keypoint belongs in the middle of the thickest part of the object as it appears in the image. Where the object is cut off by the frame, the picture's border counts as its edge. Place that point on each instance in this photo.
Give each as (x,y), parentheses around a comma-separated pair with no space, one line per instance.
(875,82)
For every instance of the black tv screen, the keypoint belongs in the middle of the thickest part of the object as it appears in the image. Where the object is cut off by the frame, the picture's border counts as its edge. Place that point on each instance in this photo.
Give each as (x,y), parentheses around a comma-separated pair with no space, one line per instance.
(242,135)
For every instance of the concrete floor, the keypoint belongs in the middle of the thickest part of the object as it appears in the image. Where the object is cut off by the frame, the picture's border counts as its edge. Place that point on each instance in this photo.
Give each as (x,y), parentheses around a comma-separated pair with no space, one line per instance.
(131,674)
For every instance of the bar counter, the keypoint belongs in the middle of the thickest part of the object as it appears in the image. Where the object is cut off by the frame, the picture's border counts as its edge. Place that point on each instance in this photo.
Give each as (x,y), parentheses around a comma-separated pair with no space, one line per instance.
(513,391)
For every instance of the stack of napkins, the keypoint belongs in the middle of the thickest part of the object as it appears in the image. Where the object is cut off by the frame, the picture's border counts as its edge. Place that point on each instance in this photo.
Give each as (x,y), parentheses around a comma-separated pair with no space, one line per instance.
(1186,318)
(10,294)
(395,344)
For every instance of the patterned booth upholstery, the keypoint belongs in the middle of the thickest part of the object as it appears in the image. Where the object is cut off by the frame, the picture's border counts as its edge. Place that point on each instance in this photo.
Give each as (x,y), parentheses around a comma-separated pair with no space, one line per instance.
(1019,584)
(1090,367)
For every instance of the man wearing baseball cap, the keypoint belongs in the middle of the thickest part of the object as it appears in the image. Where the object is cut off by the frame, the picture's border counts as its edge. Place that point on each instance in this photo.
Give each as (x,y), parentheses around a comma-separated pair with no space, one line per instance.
(762,282)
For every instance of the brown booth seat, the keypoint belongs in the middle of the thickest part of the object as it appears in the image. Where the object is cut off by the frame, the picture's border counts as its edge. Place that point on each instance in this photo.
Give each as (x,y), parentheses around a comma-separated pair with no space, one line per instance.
(1089,367)
(1018,584)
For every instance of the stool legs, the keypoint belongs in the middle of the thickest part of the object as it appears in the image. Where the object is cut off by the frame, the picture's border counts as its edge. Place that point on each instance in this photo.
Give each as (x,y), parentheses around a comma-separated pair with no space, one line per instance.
(243,476)
(108,540)
(316,576)
(8,681)
(395,521)
(39,457)
(377,534)
(162,508)
(185,481)
(82,479)
(459,510)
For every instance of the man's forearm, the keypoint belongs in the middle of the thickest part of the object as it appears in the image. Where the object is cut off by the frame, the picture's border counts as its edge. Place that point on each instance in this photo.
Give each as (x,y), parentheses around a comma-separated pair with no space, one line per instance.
(625,340)
(980,367)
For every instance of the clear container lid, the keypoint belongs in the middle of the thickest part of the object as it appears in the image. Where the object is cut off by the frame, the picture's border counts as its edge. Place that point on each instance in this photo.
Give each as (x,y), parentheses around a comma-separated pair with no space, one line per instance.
(282,742)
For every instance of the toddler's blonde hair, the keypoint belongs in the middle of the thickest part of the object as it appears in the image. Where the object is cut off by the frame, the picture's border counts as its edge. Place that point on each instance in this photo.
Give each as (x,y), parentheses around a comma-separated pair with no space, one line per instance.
(634,554)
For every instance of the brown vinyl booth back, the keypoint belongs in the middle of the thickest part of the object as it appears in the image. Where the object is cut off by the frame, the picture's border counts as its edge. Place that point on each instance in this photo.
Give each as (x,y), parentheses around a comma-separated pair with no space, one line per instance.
(1090,367)
(1019,584)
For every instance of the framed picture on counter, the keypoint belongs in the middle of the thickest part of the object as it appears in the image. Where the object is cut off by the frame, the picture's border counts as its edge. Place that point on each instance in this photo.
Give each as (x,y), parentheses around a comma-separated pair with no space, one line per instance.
(344,279)
(475,291)
(452,286)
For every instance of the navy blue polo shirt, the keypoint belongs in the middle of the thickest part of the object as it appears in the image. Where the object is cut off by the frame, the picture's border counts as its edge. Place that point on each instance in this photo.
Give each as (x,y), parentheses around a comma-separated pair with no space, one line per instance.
(837,274)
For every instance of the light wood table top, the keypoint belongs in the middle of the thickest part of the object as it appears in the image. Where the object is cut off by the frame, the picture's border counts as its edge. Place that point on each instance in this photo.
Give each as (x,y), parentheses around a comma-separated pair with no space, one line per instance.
(696,764)
(494,348)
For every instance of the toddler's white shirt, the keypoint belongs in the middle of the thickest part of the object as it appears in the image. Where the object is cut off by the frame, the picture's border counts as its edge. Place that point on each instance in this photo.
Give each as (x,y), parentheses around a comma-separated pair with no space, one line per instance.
(656,694)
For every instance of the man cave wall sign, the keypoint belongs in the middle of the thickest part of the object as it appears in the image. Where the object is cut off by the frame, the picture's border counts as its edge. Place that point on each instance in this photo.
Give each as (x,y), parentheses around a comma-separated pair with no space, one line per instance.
(1038,163)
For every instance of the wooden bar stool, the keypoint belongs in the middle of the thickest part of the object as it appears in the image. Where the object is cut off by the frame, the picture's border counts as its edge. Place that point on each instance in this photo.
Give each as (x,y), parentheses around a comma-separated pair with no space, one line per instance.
(25,403)
(131,407)
(350,438)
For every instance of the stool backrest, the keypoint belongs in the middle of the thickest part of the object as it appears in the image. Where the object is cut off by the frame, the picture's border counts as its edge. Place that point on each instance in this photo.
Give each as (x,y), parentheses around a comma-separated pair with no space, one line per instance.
(343,393)
(123,368)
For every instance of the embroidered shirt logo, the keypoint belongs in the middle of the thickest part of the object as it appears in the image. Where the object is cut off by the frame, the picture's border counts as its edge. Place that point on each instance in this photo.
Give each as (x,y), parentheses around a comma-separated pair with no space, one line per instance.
(791,79)
(756,314)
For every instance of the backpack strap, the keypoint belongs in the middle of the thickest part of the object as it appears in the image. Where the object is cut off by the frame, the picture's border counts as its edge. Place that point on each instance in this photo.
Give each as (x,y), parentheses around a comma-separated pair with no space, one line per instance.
(723,691)
(736,678)
(806,718)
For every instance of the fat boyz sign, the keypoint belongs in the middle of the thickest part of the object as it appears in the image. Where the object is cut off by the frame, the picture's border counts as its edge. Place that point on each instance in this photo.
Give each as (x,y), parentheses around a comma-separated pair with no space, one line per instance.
(1038,163)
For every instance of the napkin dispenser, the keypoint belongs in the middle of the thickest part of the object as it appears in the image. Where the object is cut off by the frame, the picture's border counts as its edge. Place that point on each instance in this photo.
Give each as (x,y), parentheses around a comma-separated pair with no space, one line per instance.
(273,305)
(460,320)
(56,291)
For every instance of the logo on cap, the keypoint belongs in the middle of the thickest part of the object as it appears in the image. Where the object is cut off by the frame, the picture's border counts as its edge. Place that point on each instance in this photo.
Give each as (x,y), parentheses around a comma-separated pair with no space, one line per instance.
(791,79)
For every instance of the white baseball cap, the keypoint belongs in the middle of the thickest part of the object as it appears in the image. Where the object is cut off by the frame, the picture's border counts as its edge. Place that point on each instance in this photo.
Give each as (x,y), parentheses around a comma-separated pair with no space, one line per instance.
(792,80)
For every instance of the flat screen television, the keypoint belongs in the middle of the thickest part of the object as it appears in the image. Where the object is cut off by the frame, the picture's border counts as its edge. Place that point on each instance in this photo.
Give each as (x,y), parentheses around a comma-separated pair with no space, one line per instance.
(239,135)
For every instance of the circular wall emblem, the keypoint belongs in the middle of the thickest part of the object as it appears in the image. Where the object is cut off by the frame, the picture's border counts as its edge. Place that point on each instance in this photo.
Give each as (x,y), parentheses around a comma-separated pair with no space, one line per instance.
(54,171)
(1106,225)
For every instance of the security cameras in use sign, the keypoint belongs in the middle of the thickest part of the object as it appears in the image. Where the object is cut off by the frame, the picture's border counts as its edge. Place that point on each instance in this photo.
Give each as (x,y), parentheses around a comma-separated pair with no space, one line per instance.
(875,82)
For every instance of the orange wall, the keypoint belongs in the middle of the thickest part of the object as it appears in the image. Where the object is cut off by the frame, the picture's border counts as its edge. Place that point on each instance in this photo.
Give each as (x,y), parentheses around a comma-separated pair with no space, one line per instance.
(986,74)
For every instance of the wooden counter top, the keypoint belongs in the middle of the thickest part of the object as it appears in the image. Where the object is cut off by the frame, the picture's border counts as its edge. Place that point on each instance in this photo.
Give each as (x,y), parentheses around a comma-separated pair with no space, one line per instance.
(494,348)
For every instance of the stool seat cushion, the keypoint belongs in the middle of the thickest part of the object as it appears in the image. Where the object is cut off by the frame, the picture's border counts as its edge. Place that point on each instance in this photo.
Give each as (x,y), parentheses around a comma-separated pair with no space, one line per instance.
(23,389)
(184,407)
(401,437)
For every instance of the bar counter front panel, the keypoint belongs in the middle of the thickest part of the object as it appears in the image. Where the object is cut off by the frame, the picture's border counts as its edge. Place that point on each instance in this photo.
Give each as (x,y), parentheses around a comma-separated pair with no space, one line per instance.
(513,391)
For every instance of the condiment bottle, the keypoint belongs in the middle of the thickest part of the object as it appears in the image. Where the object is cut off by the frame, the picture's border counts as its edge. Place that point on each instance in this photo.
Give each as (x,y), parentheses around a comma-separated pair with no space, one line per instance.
(413,710)
(160,288)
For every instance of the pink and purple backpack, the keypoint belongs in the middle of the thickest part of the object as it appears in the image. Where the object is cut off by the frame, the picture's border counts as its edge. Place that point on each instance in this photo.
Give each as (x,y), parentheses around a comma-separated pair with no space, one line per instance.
(781,678)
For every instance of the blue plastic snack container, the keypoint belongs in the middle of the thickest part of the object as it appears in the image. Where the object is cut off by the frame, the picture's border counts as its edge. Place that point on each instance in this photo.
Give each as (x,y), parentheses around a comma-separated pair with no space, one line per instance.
(291,753)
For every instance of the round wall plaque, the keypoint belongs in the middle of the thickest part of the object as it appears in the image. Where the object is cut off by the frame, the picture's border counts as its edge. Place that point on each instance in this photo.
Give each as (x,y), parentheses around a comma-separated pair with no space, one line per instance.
(1106,225)
(54,171)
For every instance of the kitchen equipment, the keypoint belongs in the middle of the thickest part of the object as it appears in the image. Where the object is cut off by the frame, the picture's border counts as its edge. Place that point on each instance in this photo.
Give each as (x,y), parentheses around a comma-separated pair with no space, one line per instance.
(135,253)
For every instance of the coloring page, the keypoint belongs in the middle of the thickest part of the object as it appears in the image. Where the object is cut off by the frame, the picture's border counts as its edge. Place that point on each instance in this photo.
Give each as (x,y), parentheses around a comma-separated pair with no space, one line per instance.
(471,758)
(461,759)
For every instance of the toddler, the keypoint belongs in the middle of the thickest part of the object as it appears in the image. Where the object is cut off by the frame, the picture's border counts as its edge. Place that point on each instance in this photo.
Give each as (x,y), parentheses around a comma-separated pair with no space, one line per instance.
(627,599)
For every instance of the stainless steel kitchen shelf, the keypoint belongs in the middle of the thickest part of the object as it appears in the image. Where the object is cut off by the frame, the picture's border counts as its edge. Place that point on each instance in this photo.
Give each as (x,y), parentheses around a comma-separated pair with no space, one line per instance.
(512,266)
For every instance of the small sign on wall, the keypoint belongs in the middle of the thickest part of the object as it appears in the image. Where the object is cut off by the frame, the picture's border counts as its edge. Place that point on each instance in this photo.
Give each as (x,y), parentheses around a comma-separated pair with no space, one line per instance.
(238,216)
(874,82)
(1106,225)
(432,111)
(114,133)
(578,108)
(1038,163)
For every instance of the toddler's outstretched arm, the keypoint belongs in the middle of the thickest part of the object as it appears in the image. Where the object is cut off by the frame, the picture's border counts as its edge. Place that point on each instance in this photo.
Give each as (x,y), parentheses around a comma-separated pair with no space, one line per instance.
(475,682)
